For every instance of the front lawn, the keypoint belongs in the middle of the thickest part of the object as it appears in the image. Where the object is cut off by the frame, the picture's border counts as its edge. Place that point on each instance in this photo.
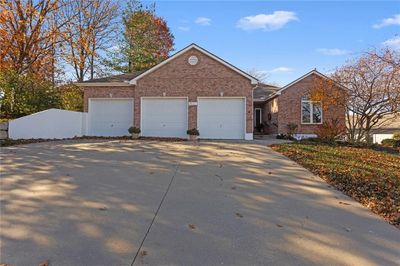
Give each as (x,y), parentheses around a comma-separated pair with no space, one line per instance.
(369,176)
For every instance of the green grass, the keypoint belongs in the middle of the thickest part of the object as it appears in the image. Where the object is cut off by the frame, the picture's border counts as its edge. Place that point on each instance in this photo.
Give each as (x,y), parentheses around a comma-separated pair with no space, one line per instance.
(369,176)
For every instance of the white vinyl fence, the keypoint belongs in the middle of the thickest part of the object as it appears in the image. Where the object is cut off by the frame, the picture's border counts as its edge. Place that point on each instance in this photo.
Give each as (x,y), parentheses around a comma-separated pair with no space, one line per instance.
(49,124)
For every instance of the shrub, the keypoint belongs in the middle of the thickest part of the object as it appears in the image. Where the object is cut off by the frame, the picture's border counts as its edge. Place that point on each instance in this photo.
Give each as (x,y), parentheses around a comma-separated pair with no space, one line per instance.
(25,94)
(330,131)
(389,142)
(291,129)
(281,136)
(396,135)
(134,130)
(193,132)
(397,143)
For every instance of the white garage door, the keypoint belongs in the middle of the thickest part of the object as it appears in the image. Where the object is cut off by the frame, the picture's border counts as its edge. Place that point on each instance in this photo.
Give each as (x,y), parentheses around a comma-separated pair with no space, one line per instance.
(110,117)
(221,118)
(164,117)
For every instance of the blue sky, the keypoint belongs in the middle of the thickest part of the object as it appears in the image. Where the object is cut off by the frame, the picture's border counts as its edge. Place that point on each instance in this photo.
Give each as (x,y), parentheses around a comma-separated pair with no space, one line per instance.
(284,38)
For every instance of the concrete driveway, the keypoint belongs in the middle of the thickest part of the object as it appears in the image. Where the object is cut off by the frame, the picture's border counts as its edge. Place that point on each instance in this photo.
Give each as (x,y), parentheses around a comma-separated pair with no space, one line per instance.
(163,203)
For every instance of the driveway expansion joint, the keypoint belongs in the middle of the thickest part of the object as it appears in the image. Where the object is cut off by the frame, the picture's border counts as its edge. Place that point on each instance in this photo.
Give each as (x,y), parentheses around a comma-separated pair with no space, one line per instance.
(156,213)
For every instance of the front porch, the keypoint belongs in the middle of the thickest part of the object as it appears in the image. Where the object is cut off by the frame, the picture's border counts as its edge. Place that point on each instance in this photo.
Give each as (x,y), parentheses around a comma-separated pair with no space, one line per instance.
(265,110)
(265,121)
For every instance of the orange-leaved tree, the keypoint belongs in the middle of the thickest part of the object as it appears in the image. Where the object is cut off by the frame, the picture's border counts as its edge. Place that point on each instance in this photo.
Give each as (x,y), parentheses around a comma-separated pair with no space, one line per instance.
(147,40)
(29,35)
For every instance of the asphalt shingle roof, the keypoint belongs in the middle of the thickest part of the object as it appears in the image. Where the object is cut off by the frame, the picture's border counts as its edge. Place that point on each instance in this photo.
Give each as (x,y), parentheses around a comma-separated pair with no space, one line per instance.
(116,78)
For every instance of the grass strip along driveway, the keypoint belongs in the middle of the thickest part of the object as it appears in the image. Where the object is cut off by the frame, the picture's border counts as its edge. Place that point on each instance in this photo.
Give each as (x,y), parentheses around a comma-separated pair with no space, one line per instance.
(370,177)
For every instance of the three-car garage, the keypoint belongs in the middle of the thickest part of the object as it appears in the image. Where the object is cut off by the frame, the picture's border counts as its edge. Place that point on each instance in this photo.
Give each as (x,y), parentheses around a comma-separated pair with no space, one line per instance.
(217,117)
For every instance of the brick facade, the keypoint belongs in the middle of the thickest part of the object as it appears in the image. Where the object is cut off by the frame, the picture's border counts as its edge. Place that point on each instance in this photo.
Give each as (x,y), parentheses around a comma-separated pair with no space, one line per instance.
(270,109)
(177,78)
(289,106)
(206,79)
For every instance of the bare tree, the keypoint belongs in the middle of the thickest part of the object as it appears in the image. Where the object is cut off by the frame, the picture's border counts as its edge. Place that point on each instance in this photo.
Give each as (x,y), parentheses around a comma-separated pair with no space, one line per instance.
(373,95)
(262,76)
(87,33)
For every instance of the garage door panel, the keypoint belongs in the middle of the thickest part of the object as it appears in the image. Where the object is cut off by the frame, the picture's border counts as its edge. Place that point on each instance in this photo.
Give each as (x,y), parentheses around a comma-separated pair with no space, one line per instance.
(110,117)
(221,118)
(164,117)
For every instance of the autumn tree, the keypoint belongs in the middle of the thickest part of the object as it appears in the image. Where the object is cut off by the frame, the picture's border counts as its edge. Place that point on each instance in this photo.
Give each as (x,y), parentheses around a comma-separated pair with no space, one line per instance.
(29,34)
(71,97)
(146,41)
(90,30)
(22,95)
(372,84)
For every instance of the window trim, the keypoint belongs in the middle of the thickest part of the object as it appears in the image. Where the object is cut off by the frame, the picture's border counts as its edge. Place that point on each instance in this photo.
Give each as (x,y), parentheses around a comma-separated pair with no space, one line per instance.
(311,112)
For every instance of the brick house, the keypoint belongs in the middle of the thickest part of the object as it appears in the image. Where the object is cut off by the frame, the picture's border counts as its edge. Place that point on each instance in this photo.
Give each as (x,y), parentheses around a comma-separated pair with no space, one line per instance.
(194,89)
(291,104)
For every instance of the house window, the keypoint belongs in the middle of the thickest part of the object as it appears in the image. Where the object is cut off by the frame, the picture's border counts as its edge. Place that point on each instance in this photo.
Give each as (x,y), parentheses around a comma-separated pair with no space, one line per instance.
(311,112)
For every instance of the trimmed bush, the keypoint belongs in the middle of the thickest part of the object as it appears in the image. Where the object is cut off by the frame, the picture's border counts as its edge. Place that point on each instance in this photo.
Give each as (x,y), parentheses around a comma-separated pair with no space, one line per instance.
(396,135)
(134,130)
(389,142)
(193,132)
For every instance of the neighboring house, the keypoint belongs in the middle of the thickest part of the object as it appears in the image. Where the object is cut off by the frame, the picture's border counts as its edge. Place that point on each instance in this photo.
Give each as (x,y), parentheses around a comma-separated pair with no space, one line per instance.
(386,130)
(196,89)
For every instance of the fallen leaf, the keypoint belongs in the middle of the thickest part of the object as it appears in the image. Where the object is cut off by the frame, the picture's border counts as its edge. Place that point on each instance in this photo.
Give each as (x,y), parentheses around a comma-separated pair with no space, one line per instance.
(344,203)
(45,263)
(192,226)
(219,177)
(239,215)
(103,208)
(233,187)
(279,225)
(143,253)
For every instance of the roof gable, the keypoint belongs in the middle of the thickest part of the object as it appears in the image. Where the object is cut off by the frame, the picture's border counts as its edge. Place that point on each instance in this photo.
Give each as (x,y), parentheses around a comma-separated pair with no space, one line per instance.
(198,48)
(312,72)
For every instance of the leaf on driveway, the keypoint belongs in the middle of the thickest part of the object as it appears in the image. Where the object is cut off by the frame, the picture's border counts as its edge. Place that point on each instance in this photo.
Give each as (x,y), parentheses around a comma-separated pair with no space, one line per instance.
(279,225)
(233,187)
(45,263)
(192,226)
(344,203)
(239,215)
(220,178)
(143,253)
(103,208)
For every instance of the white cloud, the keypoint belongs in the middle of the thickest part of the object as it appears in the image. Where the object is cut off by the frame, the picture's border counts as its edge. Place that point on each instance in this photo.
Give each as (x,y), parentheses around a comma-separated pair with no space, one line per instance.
(184,28)
(393,42)
(395,20)
(203,21)
(267,22)
(280,69)
(332,51)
